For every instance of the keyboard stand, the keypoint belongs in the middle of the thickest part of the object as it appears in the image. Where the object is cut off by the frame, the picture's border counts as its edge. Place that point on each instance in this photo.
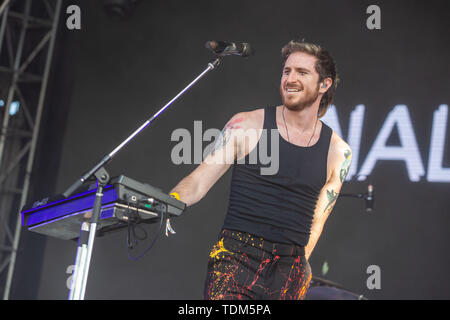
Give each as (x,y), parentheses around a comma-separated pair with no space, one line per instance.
(86,241)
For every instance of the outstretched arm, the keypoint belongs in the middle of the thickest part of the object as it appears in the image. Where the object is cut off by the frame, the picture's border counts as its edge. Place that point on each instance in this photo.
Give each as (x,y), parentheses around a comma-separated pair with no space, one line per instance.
(194,187)
(339,160)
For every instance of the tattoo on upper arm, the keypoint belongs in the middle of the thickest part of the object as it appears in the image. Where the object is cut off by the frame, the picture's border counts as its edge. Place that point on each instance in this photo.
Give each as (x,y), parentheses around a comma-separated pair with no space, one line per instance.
(332,197)
(222,139)
(345,165)
(331,194)
(225,134)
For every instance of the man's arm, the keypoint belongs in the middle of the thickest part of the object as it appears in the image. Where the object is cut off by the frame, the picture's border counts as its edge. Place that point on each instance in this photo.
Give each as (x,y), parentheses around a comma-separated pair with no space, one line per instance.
(194,187)
(339,160)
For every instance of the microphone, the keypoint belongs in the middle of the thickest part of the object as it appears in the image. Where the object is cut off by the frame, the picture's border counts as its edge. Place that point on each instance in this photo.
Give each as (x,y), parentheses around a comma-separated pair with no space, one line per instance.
(225,48)
(370,198)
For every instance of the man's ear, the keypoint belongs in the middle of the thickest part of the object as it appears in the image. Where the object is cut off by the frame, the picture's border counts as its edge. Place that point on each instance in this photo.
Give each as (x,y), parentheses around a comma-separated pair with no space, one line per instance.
(325,84)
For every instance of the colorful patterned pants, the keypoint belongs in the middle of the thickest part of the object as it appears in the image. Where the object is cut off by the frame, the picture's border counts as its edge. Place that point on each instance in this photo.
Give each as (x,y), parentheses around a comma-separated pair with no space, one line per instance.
(242,266)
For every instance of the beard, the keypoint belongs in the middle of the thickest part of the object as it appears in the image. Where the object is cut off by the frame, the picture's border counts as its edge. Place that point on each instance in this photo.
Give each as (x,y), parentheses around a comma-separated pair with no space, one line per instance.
(304,102)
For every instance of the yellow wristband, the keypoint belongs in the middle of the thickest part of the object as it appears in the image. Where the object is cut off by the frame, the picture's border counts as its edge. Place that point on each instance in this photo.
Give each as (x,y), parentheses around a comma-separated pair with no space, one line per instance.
(175,195)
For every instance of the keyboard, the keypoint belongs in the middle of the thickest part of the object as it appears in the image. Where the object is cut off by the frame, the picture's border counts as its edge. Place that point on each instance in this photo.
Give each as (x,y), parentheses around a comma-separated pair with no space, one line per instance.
(125,201)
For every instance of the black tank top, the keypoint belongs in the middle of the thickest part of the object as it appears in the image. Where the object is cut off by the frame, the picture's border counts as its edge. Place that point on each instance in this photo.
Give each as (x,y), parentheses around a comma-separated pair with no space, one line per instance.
(278,207)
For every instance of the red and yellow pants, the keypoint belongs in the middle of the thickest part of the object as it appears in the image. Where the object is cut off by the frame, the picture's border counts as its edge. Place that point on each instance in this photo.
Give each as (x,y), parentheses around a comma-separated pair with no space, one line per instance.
(242,266)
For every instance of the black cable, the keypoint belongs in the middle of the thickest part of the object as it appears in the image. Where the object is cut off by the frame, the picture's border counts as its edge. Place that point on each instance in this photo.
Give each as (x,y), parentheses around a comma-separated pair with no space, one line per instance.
(129,213)
(134,220)
(138,221)
(154,240)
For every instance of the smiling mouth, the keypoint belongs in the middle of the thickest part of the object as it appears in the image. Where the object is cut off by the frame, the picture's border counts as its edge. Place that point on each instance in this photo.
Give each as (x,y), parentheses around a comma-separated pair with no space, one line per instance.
(292,90)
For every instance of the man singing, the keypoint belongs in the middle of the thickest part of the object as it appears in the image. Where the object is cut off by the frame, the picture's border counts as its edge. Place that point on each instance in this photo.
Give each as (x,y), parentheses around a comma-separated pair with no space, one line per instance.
(274,220)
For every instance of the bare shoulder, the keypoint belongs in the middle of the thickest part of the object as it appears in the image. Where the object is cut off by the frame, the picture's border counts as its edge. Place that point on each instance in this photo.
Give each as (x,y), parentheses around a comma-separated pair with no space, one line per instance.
(338,145)
(248,119)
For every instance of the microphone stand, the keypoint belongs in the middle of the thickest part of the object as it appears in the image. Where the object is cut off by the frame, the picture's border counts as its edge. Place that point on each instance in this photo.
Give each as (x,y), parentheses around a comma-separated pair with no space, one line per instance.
(88,229)
(353,195)
(366,196)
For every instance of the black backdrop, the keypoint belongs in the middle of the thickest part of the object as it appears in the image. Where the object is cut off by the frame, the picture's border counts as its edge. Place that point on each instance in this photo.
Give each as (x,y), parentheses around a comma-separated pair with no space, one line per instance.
(111,75)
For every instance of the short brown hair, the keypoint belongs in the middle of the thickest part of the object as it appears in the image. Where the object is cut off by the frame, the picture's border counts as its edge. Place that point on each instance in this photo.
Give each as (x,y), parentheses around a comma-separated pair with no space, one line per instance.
(325,67)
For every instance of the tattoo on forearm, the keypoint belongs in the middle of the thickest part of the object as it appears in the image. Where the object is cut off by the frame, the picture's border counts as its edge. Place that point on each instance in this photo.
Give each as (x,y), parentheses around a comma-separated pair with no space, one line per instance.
(332,196)
(225,134)
(345,165)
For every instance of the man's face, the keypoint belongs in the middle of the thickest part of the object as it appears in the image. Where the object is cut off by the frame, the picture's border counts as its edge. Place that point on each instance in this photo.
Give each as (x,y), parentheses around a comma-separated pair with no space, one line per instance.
(300,81)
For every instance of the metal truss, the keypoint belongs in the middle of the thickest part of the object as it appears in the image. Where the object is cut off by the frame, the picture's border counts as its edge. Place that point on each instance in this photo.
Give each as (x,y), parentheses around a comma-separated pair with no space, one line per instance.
(27,36)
